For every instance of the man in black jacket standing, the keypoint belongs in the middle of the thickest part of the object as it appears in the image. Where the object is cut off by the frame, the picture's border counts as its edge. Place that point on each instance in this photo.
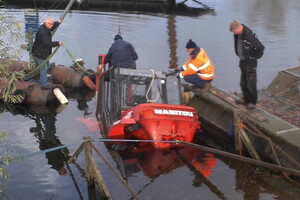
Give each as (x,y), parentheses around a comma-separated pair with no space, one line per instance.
(42,46)
(248,48)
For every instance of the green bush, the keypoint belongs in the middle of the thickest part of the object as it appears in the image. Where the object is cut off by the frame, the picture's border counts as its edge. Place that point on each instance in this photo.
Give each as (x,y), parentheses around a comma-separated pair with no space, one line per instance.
(10,35)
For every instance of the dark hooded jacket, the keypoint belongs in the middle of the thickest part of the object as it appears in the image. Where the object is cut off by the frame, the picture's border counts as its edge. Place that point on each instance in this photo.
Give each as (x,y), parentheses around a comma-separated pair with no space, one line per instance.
(252,48)
(122,54)
(43,44)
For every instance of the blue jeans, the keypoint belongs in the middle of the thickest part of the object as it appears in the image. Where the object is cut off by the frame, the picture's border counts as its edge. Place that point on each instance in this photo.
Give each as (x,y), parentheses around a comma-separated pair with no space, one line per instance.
(43,71)
(196,80)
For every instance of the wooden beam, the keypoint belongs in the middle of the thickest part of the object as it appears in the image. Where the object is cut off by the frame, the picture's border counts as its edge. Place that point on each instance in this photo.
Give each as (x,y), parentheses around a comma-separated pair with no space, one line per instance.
(92,170)
(243,135)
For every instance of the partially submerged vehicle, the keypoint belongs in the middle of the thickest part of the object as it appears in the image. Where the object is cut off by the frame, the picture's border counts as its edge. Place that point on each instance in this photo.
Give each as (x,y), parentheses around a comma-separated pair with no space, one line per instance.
(126,110)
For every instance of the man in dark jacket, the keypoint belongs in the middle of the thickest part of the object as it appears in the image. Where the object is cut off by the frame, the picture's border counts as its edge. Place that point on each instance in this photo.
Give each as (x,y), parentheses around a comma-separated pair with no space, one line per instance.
(248,48)
(42,46)
(121,53)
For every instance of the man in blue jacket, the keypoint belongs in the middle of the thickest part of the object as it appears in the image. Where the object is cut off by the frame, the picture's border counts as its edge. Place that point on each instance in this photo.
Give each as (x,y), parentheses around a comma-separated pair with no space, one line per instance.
(121,53)
(42,47)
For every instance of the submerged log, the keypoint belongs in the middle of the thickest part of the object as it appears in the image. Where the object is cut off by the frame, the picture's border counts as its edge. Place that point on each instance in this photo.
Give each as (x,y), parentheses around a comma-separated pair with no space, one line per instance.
(61,76)
(17,66)
(71,78)
(66,76)
(31,92)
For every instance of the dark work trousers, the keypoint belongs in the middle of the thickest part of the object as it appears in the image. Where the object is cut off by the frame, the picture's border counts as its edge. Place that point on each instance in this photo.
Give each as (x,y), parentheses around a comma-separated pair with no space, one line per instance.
(196,80)
(249,80)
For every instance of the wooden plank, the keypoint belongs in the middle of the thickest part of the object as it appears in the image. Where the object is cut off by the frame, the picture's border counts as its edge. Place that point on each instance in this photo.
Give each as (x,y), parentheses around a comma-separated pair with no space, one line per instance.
(256,113)
(99,178)
(92,170)
(89,171)
(75,155)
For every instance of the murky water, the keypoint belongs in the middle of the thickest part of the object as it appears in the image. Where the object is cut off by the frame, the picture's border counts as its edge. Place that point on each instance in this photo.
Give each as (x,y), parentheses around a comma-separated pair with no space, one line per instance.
(160,42)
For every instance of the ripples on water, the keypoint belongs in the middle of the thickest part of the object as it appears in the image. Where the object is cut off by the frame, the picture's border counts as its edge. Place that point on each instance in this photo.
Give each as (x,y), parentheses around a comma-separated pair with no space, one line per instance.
(86,34)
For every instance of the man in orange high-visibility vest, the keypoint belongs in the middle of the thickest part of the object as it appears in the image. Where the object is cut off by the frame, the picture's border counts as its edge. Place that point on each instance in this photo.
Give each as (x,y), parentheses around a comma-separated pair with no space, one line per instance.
(198,70)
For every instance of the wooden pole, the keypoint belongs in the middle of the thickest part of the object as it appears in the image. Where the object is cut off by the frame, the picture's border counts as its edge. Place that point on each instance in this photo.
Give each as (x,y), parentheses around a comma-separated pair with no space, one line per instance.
(88,155)
(65,13)
(76,154)
(92,170)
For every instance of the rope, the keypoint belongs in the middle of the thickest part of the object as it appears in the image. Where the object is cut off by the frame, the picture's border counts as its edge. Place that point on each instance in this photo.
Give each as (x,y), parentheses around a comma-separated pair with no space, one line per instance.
(150,86)
(273,146)
(117,175)
(214,151)
(258,133)
(80,66)
(52,7)
(119,31)
(35,70)
(241,158)
(32,73)
(197,146)
(74,181)
(55,7)
(22,157)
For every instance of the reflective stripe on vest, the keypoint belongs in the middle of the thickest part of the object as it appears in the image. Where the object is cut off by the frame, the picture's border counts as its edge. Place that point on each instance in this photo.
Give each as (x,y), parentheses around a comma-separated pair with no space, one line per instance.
(193,67)
(206,75)
(199,68)
(205,65)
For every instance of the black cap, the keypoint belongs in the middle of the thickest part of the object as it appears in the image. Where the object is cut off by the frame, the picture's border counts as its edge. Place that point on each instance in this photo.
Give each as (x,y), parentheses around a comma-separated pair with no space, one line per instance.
(191,44)
(118,37)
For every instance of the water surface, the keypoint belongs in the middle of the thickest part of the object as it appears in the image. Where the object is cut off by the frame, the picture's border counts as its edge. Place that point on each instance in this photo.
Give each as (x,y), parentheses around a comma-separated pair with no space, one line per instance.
(160,42)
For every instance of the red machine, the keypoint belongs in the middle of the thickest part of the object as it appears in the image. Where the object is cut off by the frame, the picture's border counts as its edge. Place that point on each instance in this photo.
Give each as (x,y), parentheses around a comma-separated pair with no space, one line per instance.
(126,110)
(158,122)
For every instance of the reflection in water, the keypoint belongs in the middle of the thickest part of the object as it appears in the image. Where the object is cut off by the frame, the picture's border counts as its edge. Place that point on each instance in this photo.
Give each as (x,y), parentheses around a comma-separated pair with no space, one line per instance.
(275,18)
(274,15)
(156,162)
(45,127)
(83,106)
(250,180)
(45,131)
(82,98)
(253,183)
(173,63)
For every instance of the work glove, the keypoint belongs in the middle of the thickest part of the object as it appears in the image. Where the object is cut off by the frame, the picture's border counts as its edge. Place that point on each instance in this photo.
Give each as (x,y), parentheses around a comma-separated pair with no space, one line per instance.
(179,75)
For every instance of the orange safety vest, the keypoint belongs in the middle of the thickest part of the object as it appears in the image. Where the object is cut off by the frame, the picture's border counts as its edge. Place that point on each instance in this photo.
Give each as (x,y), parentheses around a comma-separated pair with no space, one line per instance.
(199,64)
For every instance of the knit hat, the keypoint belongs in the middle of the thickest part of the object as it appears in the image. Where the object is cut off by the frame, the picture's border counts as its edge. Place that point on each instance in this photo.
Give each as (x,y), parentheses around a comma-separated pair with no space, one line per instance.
(118,37)
(191,44)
